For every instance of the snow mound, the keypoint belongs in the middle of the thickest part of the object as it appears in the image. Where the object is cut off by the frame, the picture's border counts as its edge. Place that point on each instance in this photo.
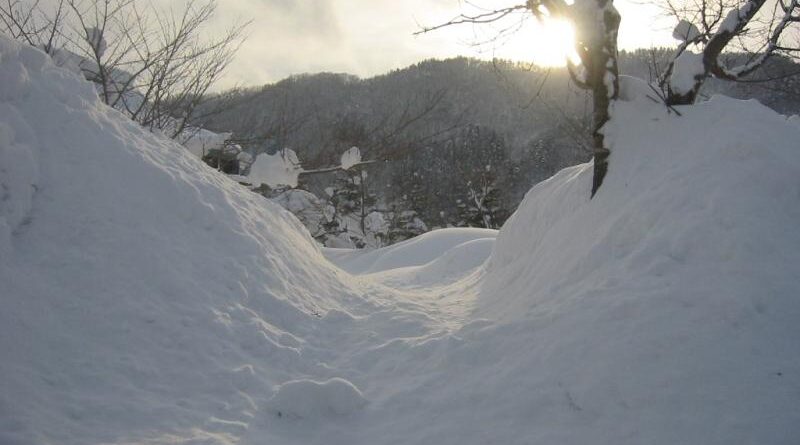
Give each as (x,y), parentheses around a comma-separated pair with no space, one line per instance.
(145,297)
(310,399)
(19,169)
(680,196)
(456,261)
(688,67)
(450,266)
(665,309)
(279,169)
(416,251)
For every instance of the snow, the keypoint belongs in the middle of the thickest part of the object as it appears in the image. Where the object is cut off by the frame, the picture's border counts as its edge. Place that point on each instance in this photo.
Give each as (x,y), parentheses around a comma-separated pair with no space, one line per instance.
(200,142)
(375,224)
(688,67)
(275,170)
(136,282)
(350,158)
(434,259)
(18,178)
(416,251)
(734,17)
(149,299)
(608,80)
(686,257)
(633,88)
(306,206)
(685,31)
(309,399)
(459,262)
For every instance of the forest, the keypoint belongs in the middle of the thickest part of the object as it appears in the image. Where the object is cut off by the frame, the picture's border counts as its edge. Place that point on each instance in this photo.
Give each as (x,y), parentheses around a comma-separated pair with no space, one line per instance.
(450,143)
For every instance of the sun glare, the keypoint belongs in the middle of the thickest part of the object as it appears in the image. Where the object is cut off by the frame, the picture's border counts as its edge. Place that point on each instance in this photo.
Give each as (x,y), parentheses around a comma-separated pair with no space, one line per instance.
(547,43)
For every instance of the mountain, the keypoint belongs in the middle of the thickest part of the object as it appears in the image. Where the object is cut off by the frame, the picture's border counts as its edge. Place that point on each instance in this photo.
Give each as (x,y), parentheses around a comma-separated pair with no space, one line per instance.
(458,141)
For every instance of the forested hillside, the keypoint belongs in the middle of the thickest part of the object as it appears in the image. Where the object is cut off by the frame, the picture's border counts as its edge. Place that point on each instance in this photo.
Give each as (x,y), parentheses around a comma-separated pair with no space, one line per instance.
(454,143)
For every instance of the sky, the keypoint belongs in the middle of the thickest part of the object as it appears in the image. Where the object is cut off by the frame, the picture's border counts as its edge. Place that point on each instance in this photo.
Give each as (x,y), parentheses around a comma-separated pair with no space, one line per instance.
(369,37)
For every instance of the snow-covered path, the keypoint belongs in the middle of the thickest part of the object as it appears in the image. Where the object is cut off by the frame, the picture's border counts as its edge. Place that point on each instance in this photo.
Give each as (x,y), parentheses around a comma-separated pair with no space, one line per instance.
(146,299)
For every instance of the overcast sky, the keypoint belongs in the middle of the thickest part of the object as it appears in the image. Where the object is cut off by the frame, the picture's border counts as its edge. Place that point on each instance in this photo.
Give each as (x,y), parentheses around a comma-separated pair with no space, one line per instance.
(368,37)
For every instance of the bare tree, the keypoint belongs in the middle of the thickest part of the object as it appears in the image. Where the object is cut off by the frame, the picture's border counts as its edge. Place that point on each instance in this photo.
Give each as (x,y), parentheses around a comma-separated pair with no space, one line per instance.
(29,23)
(713,27)
(152,64)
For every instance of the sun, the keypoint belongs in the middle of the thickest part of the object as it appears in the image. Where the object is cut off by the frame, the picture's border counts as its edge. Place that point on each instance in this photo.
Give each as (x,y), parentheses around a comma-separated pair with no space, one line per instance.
(546,43)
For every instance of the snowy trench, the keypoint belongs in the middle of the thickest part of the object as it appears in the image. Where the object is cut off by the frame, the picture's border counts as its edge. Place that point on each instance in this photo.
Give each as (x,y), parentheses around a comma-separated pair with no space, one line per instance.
(146,299)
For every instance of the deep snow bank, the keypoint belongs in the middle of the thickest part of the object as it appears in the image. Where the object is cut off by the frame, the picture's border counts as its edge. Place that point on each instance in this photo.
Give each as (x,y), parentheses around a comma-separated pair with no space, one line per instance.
(450,257)
(711,193)
(416,251)
(664,310)
(143,295)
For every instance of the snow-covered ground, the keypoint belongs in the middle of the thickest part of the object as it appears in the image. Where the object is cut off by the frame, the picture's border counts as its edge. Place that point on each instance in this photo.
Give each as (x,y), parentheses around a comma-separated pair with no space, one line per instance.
(146,299)
(415,252)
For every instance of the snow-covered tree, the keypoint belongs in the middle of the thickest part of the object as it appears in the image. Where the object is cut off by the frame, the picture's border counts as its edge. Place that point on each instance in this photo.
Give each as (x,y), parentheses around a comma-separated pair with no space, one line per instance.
(355,203)
(713,27)
(404,224)
(279,169)
(596,24)
(482,206)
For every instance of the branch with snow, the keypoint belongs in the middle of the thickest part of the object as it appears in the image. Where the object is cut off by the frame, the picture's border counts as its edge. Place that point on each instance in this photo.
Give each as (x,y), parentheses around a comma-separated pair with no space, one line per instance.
(275,170)
(283,168)
(683,79)
(350,158)
(772,44)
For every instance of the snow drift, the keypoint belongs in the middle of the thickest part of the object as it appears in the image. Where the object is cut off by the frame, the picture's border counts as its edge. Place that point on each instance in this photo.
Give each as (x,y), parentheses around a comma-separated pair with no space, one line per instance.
(148,299)
(416,251)
(661,311)
(144,295)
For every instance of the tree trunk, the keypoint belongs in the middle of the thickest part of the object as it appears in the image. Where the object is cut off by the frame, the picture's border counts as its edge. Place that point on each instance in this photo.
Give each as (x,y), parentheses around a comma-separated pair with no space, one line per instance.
(602,75)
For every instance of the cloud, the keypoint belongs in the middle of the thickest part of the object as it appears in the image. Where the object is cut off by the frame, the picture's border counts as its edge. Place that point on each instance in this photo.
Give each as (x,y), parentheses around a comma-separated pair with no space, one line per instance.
(368,37)
(356,36)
